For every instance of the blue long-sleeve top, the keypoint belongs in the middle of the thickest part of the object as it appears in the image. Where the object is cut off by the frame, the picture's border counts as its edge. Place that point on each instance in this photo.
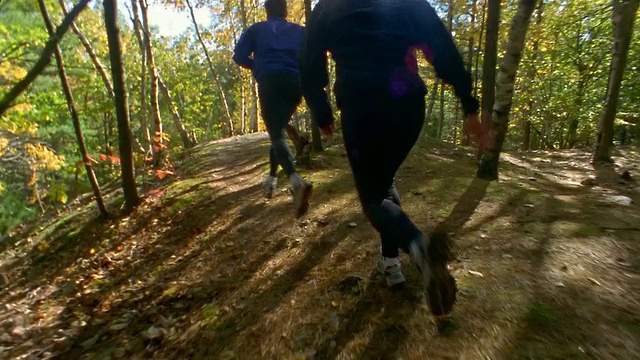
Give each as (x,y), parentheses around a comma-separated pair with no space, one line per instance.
(268,46)
(373,43)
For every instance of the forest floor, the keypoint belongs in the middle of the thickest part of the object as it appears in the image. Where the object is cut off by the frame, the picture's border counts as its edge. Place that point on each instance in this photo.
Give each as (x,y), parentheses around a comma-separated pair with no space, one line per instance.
(548,265)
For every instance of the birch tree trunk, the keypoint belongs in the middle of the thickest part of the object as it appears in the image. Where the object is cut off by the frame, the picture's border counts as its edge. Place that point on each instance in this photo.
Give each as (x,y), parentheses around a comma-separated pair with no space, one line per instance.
(488,166)
(432,99)
(158,136)
(490,60)
(137,26)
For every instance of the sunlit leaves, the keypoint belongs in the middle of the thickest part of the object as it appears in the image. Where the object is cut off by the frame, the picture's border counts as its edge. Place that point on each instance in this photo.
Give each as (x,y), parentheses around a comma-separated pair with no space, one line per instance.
(57,193)
(43,158)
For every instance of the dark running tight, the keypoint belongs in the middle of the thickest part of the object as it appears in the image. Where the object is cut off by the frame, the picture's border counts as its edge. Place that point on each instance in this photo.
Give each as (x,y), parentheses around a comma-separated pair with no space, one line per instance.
(280,95)
(379,132)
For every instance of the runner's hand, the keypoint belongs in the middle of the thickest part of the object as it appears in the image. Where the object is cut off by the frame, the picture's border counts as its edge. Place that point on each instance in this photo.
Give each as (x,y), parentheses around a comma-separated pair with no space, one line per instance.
(479,134)
(329,129)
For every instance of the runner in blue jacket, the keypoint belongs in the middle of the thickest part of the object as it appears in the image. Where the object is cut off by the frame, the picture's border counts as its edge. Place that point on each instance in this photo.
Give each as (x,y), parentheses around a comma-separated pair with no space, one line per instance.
(270,50)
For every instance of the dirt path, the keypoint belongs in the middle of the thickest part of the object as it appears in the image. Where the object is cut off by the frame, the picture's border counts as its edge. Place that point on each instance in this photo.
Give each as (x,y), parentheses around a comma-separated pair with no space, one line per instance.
(547,268)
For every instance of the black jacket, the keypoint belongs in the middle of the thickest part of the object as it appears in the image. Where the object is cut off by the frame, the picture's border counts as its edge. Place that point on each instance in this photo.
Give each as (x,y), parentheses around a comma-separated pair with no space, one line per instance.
(373,44)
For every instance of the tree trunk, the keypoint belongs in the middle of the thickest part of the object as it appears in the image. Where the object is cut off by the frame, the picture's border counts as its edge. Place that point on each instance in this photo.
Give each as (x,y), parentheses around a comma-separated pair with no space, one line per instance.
(526,139)
(255,109)
(74,115)
(441,117)
(243,106)
(623,16)
(253,114)
(137,26)
(158,136)
(316,137)
(187,141)
(488,166)
(572,133)
(92,54)
(131,199)
(465,138)
(477,66)
(432,99)
(456,115)
(214,73)
(45,57)
(490,60)
(97,64)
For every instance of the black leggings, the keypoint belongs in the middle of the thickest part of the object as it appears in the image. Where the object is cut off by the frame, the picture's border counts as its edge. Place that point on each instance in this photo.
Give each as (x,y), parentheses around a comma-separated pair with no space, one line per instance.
(280,95)
(378,133)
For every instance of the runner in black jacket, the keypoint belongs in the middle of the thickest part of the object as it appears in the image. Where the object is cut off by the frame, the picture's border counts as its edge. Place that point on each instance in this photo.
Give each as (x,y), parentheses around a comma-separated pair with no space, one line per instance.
(382,102)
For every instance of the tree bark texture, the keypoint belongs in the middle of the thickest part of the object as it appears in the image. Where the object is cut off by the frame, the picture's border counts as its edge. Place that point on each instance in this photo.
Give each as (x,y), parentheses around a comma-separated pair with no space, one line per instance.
(488,166)
(131,198)
(66,89)
(624,13)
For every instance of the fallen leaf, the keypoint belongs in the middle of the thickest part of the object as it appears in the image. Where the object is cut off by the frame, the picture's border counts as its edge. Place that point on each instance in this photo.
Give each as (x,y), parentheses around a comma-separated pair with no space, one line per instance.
(119,353)
(228,355)
(18,331)
(153,333)
(594,281)
(620,200)
(477,273)
(90,342)
(118,327)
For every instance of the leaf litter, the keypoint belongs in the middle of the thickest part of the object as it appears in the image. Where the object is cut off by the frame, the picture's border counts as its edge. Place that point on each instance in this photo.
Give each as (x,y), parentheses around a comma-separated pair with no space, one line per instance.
(221,279)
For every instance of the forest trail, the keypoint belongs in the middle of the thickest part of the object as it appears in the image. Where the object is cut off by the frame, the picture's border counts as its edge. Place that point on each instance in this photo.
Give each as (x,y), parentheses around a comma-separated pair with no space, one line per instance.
(206,268)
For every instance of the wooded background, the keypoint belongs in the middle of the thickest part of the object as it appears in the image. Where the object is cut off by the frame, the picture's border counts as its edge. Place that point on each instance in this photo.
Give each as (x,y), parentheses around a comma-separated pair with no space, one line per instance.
(577,85)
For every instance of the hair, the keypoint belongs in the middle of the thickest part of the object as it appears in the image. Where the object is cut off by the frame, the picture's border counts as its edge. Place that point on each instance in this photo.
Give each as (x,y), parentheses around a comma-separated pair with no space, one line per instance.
(276,8)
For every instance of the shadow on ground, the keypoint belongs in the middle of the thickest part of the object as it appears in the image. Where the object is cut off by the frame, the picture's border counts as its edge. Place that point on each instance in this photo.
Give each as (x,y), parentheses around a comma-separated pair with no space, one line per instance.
(208,269)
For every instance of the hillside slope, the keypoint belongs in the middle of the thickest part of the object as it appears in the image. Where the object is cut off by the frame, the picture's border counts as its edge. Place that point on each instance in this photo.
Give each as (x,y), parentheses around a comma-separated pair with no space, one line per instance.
(206,268)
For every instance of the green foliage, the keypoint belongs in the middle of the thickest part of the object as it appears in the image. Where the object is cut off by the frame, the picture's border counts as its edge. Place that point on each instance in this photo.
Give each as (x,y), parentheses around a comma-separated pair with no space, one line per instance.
(57,193)
(13,211)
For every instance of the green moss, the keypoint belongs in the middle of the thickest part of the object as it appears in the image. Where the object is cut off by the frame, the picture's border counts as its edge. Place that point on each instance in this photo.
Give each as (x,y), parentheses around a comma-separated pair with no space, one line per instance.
(631,325)
(210,314)
(541,316)
(587,230)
